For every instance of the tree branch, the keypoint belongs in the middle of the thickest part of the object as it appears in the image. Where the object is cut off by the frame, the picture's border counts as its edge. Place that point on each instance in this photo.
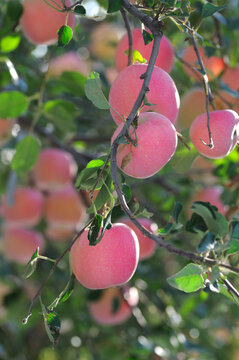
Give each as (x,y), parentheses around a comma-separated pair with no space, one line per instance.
(130,39)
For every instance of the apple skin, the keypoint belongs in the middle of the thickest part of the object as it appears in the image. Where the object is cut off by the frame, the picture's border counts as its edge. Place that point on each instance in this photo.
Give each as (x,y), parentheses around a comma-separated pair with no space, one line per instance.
(27,208)
(126,87)
(101,310)
(193,104)
(214,65)
(147,246)
(224,125)
(70,61)
(54,169)
(165,55)
(19,244)
(211,194)
(111,262)
(40,22)
(156,144)
(231,78)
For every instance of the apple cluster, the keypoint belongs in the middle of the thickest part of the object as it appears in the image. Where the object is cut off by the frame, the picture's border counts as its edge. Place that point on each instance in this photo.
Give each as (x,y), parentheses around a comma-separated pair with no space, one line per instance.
(53,196)
(113,261)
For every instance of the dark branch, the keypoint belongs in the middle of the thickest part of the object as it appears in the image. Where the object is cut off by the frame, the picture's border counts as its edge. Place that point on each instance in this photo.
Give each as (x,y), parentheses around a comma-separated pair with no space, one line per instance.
(130,39)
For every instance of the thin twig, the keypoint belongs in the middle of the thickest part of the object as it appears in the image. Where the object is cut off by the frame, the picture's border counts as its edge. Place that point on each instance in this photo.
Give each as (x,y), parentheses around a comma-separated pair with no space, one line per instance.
(208,93)
(38,293)
(230,287)
(129,32)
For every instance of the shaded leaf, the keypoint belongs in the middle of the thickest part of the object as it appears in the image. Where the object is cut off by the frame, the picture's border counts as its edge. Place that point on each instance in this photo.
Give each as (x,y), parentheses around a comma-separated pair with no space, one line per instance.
(12,104)
(25,157)
(114,5)
(209,9)
(208,242)
(177,210)
(79,10)
(148,37)
(234,243)
(94,93)
(94,230)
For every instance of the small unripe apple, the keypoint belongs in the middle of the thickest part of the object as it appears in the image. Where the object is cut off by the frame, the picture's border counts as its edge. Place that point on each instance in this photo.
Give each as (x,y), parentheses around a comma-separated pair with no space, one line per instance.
(224,129)
(111,262)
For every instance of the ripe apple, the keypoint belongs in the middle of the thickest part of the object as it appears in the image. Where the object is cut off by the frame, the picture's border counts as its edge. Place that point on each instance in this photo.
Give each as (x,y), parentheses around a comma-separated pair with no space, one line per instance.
(20,244)
(40,22)
(163,94)
(54,169)
(156,144)
(193,103)
(147,246)
(64,208)
(111,262)
(211,194)
(165,55)
(214,65)
(225,133)
(70,61)
(27,207)
(102,310)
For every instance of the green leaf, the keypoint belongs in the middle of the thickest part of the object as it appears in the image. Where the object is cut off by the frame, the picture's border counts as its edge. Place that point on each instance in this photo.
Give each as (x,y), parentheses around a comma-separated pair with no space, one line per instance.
(65,34)
(72,82)
(31,265)
(107,225)
(14,10)
(189,279)
(62,113)
(148,37)
(79,10)
(114,5)
(216,222)
(12,104)
(96,163)
(149,3)
(65,294)
(195,224)
(52,324)
(94,93)
(208,242)
(26,154)
(224,291)
(94,230)
(88,176)
(209,9)
(103,195)
(183,159)
(234,244)
(9,43)
(136,57)
(177,210)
